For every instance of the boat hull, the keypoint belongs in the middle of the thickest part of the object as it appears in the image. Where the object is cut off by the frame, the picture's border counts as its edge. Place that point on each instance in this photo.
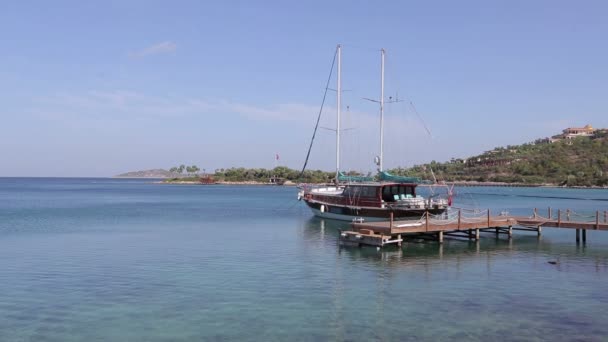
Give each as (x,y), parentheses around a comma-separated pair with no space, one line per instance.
(345,213)
(341,217)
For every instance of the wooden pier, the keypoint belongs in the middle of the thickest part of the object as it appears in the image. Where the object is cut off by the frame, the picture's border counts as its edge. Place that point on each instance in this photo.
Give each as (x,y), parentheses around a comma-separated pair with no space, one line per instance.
(469,224)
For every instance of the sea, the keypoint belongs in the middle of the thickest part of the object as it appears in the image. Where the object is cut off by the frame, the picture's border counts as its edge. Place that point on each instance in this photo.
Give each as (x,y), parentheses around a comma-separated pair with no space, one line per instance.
(100,259)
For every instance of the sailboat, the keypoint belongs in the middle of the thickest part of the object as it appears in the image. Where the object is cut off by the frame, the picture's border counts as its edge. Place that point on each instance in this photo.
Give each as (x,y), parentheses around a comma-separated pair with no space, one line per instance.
(362,198)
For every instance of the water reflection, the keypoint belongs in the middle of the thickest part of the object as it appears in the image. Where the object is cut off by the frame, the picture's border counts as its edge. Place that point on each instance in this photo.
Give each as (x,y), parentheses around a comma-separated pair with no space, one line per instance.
(316,230)
(549,247)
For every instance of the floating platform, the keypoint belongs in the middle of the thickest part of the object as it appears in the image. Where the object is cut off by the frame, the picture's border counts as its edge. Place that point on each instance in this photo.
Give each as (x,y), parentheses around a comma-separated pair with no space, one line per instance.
(468,224)
(367,237)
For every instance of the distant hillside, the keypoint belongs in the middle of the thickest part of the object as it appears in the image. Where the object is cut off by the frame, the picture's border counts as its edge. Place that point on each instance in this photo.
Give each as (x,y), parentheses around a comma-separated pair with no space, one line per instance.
(581,161)
(155,173)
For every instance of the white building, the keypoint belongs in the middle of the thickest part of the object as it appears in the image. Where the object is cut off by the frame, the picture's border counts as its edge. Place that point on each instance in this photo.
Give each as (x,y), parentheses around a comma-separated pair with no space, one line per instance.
(573,132)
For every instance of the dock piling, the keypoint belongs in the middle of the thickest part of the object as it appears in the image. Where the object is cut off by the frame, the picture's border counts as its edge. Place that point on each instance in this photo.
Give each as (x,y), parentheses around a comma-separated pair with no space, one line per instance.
(488,217)
(440,236)
(559,218)
(578,235)
(549,213)
(584,235)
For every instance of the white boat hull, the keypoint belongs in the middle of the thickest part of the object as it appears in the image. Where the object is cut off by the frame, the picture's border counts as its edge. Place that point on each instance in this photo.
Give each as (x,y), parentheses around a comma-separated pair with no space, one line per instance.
(349,218)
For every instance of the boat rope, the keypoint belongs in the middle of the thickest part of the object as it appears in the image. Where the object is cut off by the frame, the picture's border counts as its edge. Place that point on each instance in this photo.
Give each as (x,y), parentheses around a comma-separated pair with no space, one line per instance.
(428,131)
(320,111)
(421,120)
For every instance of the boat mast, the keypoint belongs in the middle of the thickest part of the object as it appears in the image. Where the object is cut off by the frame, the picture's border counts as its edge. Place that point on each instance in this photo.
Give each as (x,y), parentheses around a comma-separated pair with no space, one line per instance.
(339,104)
(381,110)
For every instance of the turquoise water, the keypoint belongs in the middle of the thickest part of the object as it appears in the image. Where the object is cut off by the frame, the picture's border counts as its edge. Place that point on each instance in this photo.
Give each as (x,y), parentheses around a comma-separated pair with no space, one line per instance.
(116,260)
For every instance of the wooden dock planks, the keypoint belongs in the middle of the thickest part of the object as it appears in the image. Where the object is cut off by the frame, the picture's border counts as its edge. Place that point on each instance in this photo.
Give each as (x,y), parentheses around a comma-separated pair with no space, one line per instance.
(399,227)
(378,233)
(562,224)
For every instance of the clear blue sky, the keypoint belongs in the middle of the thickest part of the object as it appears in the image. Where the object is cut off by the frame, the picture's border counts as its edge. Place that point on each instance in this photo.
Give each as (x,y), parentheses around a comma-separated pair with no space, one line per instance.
(99,88)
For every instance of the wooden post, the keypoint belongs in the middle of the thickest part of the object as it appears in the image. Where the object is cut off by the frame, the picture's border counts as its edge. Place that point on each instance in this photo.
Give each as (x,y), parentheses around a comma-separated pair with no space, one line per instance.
(440,236)
(488,218)
(459,213)
(391,222)
(578,235)
(559,217)
(427,221)
(584,235)
(539,230)
(477,234)
(549,213)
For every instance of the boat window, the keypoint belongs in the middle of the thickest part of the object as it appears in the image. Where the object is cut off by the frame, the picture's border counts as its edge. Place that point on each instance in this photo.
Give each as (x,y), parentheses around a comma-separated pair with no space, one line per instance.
(352,191)
(389,192)
(386,194)
(369,191)
(364,191)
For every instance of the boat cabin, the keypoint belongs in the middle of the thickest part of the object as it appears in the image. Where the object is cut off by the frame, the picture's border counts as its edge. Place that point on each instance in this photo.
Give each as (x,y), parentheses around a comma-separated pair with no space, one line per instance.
(396,192)
(389,192)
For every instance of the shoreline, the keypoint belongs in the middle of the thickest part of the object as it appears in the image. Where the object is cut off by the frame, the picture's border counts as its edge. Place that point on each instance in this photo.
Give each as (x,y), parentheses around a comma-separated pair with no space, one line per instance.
(517,185)
(457,183)
(254,183)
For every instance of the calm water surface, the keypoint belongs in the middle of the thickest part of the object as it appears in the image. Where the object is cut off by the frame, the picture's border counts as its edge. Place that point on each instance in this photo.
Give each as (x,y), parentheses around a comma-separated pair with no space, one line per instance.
(117,260)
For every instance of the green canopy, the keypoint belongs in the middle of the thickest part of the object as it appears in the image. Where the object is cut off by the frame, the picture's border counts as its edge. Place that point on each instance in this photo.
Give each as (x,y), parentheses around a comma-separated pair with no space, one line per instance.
(385,176)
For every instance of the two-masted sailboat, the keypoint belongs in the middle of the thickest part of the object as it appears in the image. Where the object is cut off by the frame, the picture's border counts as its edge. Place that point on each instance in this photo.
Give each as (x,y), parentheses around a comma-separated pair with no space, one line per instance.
(362,198)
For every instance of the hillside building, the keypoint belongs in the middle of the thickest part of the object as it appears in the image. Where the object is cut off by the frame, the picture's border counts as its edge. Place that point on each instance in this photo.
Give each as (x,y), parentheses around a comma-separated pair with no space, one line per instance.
(573,132)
